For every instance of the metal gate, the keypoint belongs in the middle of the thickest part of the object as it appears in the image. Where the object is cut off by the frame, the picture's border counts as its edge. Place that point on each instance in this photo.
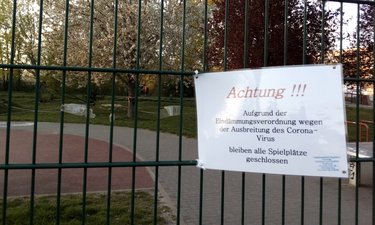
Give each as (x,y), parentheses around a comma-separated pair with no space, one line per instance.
(97,105)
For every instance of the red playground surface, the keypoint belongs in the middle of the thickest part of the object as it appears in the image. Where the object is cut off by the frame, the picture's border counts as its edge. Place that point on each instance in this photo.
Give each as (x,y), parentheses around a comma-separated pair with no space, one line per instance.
(73,151)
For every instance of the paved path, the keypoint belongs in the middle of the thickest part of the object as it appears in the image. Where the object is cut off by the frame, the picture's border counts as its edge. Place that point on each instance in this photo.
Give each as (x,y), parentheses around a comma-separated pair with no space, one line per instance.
(47,151)
(190,189)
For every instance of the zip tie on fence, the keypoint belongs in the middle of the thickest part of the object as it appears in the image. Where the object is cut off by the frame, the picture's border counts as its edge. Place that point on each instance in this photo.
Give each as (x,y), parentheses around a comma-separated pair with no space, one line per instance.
(200,164)
(196,74)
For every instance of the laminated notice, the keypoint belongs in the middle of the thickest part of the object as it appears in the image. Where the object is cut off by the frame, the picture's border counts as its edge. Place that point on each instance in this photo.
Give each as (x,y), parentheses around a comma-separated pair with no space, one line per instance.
(279,120)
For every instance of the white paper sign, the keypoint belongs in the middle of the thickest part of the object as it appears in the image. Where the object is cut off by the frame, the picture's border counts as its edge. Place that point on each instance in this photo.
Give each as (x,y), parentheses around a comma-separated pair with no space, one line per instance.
(279,120)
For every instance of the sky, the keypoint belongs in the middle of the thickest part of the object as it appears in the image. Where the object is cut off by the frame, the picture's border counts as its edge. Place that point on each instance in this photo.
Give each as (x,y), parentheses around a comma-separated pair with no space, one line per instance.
(350,15)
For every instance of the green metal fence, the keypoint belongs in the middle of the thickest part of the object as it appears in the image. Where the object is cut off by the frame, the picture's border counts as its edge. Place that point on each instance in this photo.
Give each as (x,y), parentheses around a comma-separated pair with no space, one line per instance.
(126,61)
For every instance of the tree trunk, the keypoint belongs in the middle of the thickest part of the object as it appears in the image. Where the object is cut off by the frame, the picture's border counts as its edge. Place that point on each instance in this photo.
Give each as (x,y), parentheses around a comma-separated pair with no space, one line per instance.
(131,102)
(131,107)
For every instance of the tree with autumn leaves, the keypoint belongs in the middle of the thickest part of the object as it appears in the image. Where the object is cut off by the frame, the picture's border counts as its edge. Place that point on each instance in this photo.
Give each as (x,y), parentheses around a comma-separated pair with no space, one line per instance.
(266,33)
(358,59)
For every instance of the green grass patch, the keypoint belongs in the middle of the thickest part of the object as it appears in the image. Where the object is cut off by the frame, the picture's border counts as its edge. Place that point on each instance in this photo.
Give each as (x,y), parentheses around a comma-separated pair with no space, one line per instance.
(23,105)
(18,210)
(359,132)
(23,108)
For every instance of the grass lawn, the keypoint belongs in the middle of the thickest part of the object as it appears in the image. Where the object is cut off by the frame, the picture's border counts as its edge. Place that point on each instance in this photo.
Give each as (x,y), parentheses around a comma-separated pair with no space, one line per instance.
(18,210)
(24,104)
(364,114)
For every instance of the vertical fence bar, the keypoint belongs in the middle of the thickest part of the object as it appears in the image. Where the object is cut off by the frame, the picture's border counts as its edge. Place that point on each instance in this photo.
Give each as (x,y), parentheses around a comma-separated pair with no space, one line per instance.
(136,83)
(321,200)
(110,148)
(36,112)
(322,45)
(205,68)
(205,36)
(201,189)
(87,125)
(180,141)
(304,48)
(245,64)
(243,197)
(9,115)
(182,69)
(339,186)
(246,36)
(373,163)
(286,4)
(322,61)
(222,197)
(302,200)
(225,59)
(112,115)
(157,154)
(357,116)
(266,23)
(225,62)
(62,114)
(265,63)
(373,129)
